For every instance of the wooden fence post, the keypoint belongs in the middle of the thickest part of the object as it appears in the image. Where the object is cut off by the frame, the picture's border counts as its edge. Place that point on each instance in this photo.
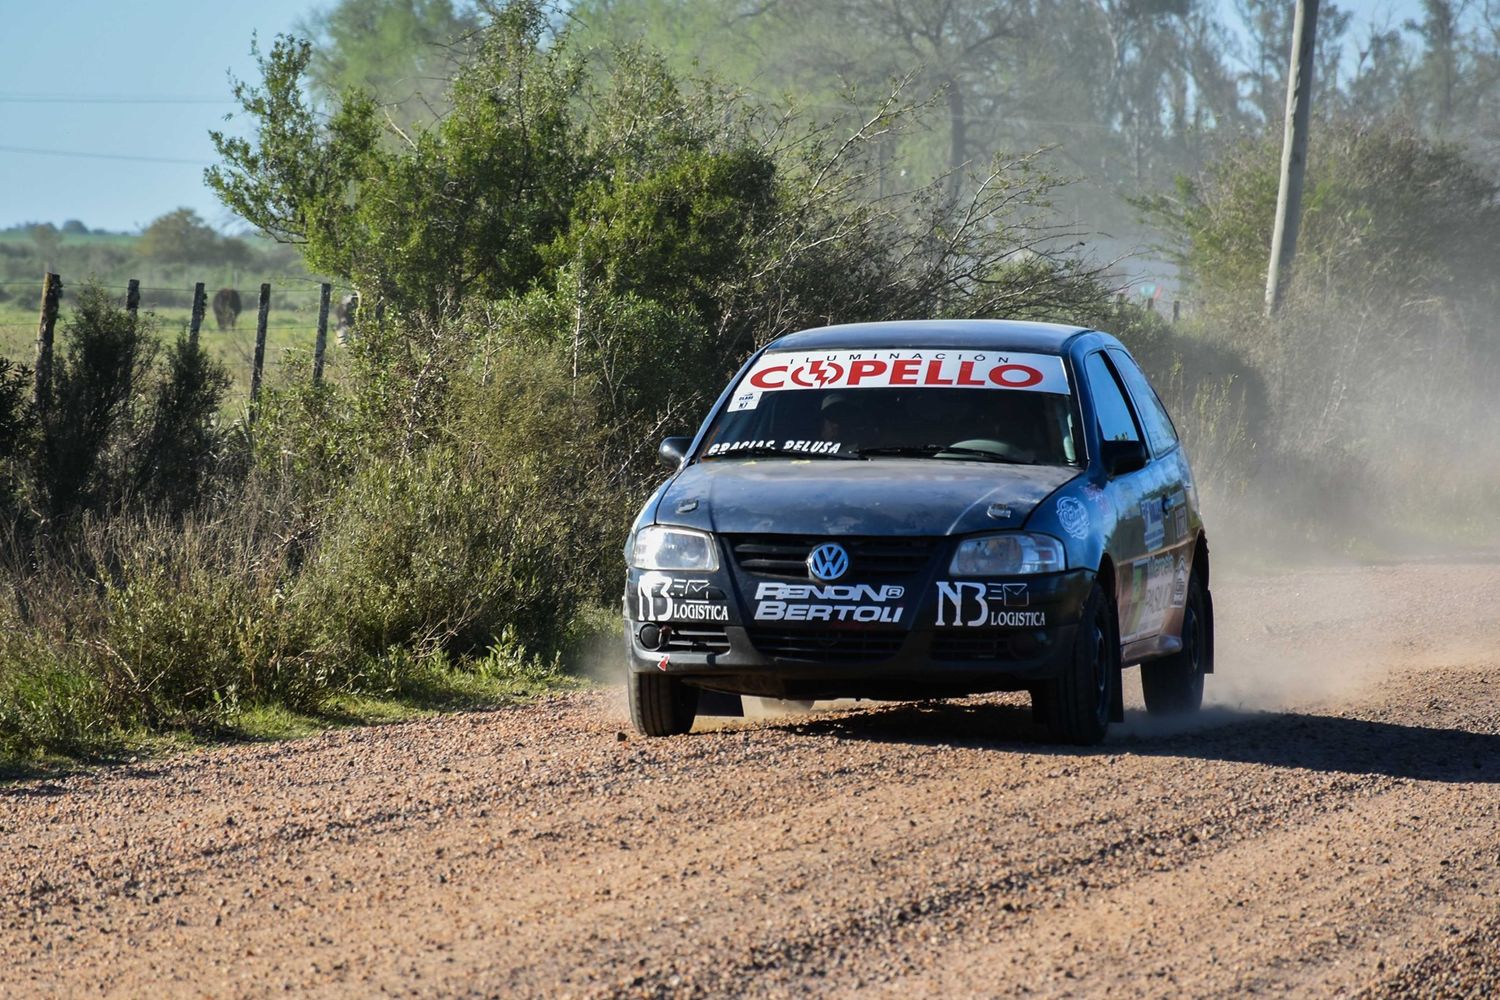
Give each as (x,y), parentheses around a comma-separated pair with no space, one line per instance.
(1150,305)
(200,305)
(42,386)
(322,344)
(132,296)
(260,345)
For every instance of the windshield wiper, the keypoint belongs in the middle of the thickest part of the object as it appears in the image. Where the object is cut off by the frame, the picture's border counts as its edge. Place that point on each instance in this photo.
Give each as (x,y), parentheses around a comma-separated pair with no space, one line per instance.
(988,456)
(903,450)
(940,450)
(768,451)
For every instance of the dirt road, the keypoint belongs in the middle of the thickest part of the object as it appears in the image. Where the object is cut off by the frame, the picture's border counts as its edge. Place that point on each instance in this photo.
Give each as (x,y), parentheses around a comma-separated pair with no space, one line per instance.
(1331,827)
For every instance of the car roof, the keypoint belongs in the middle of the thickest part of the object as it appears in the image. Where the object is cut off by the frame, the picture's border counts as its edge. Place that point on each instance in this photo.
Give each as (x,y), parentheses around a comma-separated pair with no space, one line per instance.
(972,334)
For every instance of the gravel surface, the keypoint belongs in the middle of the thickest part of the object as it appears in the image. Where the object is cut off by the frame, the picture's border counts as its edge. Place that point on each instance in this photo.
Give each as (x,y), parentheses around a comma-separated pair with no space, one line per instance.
(1328,827)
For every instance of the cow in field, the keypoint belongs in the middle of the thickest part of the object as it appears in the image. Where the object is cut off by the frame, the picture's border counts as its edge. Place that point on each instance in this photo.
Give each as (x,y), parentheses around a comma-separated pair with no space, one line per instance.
(226,308)
(345,314)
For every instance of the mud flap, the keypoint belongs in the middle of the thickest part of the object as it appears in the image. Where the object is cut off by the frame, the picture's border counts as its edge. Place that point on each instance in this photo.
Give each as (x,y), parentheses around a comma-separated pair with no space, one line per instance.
(1208,608)
(1117,699)
(719,703)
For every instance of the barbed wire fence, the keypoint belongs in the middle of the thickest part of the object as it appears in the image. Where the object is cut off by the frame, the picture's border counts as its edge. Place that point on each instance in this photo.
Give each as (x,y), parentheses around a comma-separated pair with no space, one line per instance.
(227,308)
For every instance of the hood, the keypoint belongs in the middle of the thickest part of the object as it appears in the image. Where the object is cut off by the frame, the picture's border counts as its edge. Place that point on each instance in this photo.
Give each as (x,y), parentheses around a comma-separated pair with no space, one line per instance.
(881,496)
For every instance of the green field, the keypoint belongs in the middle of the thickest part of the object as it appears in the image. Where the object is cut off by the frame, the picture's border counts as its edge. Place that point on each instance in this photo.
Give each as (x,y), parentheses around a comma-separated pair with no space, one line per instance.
(113,259)
(23,238)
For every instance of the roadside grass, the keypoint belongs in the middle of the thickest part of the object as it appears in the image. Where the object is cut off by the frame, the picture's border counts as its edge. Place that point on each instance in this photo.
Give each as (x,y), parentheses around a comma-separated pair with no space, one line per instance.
(449,690)
(415,686)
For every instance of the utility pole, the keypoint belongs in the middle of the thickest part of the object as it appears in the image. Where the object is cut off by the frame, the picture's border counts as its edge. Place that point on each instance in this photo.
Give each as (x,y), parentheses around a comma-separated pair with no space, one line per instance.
(1293,152)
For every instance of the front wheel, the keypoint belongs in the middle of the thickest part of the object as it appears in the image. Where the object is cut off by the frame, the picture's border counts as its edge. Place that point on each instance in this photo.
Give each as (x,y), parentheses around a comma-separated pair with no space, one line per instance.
(1076,705)
(660,704)
(1173,685)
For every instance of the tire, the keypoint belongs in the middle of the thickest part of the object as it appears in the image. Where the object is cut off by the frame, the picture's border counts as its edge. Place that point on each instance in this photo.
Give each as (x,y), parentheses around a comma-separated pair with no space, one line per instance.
(661,705)
(1077,705)
(1173,685)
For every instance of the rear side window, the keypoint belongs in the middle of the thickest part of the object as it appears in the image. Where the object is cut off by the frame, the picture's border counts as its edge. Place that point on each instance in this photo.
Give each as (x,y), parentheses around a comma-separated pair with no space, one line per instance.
(1115,420)
(1159,429)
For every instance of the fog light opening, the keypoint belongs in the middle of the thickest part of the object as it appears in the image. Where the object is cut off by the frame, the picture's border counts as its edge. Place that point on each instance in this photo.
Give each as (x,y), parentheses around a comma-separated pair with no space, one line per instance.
(655,636)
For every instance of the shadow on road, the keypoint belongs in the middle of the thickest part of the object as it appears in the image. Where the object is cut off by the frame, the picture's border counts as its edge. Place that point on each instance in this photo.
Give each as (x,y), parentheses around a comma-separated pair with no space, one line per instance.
(1281,739)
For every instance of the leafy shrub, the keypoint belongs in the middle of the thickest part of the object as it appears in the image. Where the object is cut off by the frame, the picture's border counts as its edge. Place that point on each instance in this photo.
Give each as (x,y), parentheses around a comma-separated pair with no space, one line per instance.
(17,429)
(496,527)
(117,426)
(49,698)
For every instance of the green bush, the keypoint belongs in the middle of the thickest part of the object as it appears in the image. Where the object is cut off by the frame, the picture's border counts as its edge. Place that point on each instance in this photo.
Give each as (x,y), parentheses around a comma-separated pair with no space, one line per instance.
(119,426)
(17,429)
(496,526)
(50,698)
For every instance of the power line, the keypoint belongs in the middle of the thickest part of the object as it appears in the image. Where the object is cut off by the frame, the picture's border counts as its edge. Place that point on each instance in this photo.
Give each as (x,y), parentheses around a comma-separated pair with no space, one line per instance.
(106,99)
(82,155)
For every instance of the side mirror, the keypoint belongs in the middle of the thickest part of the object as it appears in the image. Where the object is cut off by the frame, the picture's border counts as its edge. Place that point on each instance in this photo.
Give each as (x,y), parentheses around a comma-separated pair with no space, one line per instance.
(673,452)
(1121,457)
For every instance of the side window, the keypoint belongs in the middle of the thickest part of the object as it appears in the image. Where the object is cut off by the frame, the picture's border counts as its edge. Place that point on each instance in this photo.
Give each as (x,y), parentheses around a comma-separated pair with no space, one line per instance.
(1115,420)
(1159,429)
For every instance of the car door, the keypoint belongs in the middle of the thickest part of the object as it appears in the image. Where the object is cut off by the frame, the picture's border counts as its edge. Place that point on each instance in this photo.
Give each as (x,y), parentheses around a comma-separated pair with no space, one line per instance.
(1169,528)
(1131,494)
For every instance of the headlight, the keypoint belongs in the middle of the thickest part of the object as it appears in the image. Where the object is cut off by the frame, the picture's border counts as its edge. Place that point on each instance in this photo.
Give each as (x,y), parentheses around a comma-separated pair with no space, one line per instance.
(1010,554)
(662,547)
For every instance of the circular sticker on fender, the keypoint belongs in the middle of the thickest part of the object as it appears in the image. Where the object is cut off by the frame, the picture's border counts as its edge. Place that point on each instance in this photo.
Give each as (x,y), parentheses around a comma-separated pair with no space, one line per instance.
(1073,516)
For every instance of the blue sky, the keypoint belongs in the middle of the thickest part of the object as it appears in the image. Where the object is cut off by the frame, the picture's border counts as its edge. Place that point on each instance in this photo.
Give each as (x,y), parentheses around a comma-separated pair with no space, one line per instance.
(99,79)
(127,59)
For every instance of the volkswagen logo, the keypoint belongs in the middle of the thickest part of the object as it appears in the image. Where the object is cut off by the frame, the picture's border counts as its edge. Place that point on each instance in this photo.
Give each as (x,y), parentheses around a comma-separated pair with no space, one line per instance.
(828,562)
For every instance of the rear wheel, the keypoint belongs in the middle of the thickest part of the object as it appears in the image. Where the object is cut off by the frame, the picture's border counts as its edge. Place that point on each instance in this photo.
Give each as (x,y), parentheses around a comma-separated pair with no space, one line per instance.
(1173,684)
(1076,705)
(660,704)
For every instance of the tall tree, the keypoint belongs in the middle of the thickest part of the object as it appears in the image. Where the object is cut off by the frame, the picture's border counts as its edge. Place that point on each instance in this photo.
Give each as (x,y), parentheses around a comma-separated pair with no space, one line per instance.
(181,237)
(402,53)
(1437,69)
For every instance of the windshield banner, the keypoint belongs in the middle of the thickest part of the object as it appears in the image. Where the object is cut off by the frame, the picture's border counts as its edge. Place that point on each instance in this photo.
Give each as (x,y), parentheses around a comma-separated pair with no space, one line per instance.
(870,369)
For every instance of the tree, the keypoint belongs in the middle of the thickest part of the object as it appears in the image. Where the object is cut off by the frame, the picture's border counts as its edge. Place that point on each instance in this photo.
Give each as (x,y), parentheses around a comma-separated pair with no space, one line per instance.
(402,53)
(48,241)
(591,203)
(1143,87)
(1438,69)
(457,208)
(181,237)
(1391,219)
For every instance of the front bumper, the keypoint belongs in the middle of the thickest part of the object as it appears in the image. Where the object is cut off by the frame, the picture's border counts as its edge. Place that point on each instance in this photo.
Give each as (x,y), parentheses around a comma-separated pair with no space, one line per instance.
(939,639)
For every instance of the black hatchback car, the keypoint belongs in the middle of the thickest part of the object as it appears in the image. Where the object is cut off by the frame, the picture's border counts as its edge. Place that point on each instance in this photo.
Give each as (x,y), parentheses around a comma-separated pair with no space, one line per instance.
(924,509)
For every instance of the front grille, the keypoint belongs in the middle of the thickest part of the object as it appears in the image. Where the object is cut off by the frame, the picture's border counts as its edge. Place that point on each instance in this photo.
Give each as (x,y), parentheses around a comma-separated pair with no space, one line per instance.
(696,639)
(869,558)
(829,647)
(985,646)
(971,647)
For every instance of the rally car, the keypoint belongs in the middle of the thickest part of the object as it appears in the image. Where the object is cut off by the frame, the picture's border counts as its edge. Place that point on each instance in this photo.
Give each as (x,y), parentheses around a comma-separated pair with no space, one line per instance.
(924,509)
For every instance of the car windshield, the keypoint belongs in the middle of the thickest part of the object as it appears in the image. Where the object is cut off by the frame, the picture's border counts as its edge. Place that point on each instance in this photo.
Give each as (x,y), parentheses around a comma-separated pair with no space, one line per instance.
(976,423)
